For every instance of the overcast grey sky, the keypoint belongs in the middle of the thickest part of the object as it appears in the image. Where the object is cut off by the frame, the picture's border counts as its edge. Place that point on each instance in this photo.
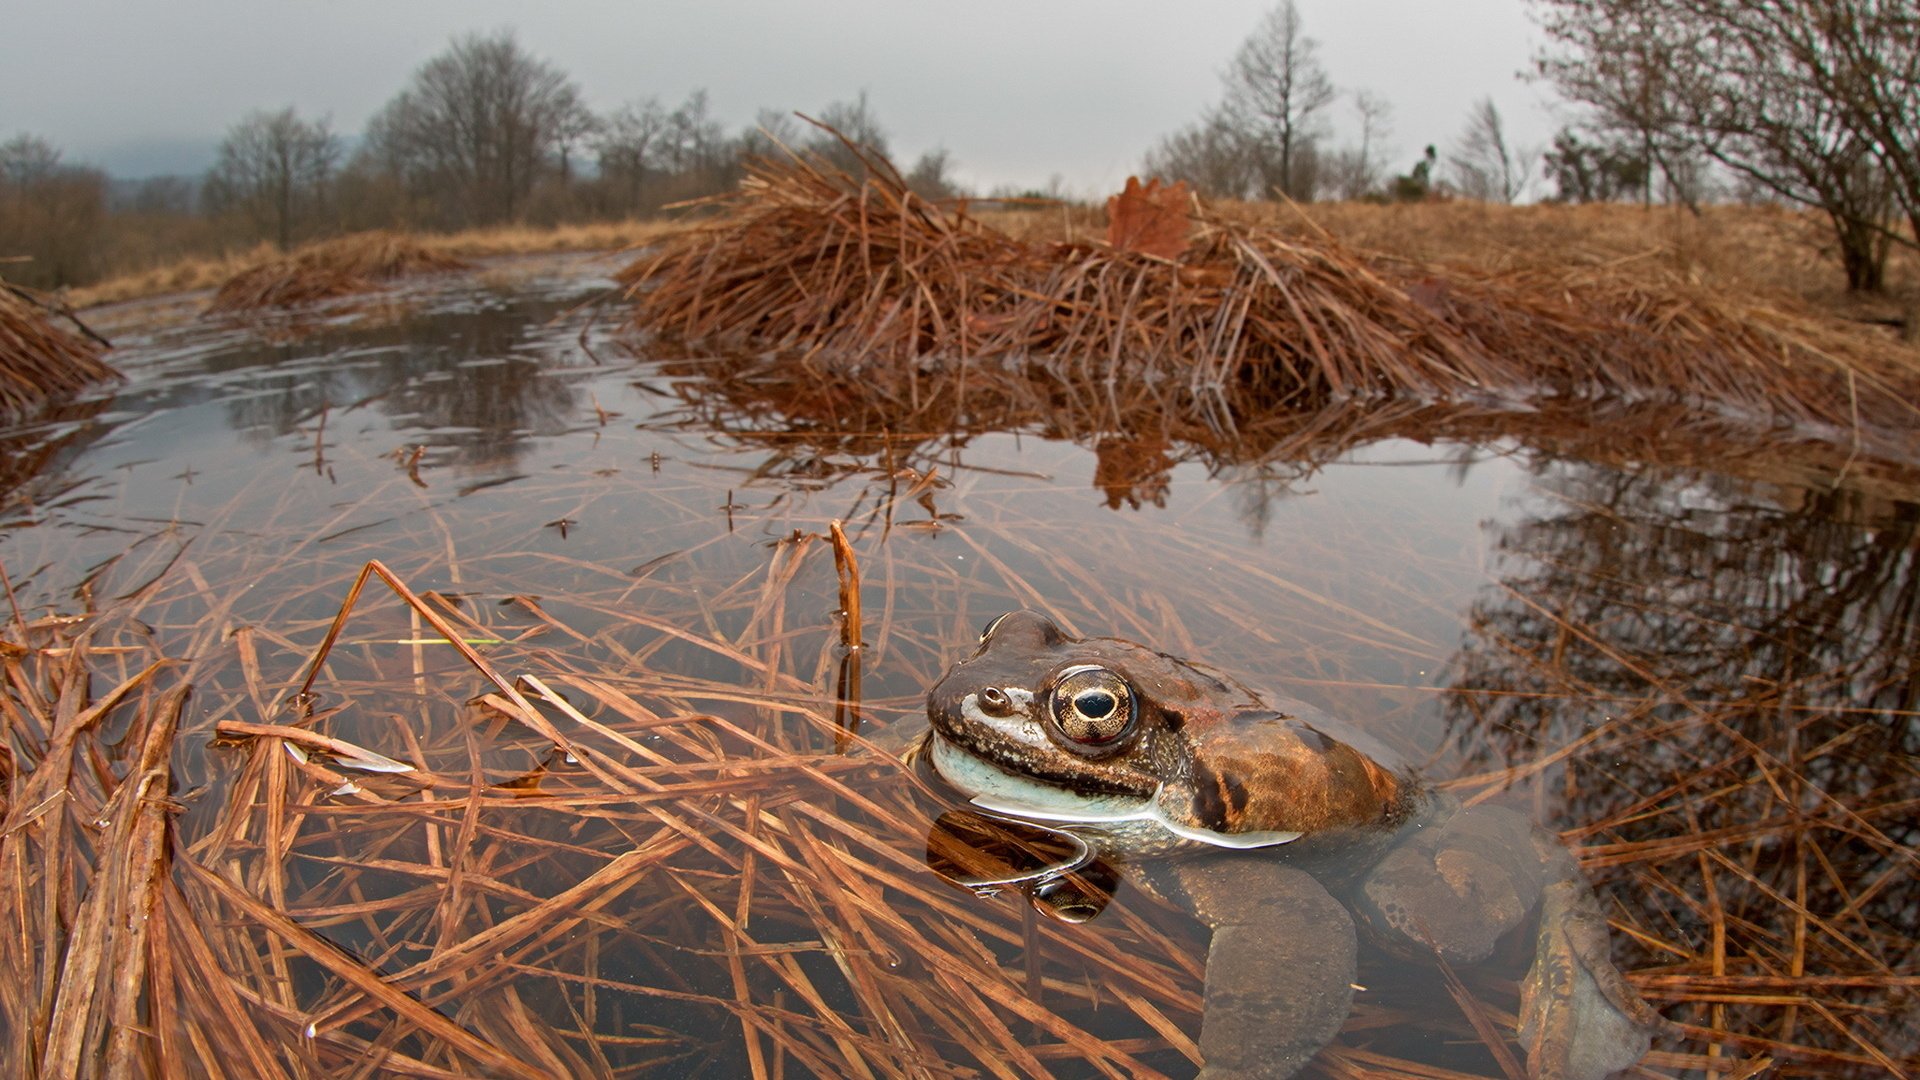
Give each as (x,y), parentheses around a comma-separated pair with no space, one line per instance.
(1017,92)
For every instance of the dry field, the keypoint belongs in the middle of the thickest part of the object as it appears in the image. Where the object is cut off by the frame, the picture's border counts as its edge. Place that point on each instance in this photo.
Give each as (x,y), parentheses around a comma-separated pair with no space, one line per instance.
(1764,252)
(195,274)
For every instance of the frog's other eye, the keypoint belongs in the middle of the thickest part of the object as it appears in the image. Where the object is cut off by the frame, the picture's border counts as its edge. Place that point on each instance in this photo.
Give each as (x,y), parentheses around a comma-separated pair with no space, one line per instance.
(1021,628)
(1091,707)
(995,702)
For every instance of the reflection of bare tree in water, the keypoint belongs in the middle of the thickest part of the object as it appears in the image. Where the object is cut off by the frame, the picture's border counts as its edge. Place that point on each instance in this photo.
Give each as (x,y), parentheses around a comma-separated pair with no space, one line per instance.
(1733,689)
(462,378)
(821,422)
(1133,471)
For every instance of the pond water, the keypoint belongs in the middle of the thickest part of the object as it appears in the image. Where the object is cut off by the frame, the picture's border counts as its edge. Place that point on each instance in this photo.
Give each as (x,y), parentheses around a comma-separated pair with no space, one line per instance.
(1694,659)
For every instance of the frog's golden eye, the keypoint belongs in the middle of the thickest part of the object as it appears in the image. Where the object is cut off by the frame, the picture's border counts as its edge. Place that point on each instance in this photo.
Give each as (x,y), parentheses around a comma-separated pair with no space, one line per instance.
(1091,706)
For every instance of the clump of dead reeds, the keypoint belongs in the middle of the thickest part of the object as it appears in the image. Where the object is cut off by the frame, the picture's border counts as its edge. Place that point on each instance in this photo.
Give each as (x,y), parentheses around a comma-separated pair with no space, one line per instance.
(352,264)
(38,356)
(866,279)
(84,846)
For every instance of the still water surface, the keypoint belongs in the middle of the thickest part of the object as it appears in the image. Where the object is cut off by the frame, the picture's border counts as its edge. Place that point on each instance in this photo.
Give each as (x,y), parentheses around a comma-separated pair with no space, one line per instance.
(1618,646)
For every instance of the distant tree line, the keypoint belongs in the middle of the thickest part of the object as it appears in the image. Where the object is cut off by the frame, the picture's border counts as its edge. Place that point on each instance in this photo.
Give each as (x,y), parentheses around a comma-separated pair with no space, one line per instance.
(487,134)
(51,214)
(483,134)
(1810,102)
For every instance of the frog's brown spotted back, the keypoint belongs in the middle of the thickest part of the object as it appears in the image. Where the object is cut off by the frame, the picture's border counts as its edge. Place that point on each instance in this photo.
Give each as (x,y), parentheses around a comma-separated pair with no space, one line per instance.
(1269,772)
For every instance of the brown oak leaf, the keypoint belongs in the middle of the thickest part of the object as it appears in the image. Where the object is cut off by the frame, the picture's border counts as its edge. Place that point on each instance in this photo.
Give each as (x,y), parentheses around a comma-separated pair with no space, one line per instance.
(1150,218)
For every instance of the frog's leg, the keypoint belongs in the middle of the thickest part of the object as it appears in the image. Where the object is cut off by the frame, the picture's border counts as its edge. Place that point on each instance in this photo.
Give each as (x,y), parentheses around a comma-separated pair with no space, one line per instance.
(1578,1016)
(1462,882)
(1280,970)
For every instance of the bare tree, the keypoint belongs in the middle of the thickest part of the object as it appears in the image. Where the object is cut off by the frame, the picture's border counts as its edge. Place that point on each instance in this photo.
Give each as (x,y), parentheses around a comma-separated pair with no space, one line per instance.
(932,175)
(50,215)
(1356,171)
(26,160)
(1875,78)
(273,170)
(651,155)
(1210,155)
(628,146)
(1584,172)
(1276,90)
(693,141)
(1811,100)
(477,127)
(1633,66)
(573,124)
(774,132)
(855,120)
(1484,165)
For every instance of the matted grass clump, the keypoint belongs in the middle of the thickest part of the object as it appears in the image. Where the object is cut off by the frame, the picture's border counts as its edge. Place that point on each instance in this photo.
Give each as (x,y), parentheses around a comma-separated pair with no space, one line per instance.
(864,278)
(353,264)
(39,357)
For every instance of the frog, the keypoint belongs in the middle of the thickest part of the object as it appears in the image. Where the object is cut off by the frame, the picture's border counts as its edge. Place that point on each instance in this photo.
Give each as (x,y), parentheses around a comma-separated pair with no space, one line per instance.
(1288,834)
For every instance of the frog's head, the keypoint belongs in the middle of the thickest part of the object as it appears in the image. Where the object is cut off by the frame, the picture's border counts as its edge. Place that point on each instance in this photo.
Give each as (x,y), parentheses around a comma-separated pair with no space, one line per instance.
(1141,746)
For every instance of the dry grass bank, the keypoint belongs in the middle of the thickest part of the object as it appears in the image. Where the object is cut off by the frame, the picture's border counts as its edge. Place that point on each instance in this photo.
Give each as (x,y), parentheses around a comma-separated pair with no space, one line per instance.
(195,274)
(353,264)
(1765,252)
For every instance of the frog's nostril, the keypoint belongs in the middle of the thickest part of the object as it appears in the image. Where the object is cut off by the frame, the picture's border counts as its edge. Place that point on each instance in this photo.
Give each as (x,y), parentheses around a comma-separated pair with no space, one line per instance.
(994,702)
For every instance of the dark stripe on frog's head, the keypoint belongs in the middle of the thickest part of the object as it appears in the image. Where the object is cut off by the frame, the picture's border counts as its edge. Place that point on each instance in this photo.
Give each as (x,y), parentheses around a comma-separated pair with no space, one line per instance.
(1219,799)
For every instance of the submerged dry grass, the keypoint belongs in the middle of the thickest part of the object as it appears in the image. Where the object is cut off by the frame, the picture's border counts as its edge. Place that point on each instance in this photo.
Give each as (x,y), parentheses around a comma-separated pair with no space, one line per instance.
(658,846)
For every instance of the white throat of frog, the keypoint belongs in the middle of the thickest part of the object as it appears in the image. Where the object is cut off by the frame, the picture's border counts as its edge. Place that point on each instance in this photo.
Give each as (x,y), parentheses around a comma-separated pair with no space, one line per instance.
(998,791)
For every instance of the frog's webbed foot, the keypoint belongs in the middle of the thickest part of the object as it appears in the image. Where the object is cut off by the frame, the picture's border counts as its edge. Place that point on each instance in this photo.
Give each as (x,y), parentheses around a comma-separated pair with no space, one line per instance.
(1463,882)
(1280,970)
(1579,1020)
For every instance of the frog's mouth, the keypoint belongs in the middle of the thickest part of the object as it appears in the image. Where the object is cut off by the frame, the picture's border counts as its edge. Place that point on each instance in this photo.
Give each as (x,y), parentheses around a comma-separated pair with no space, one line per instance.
(998,791)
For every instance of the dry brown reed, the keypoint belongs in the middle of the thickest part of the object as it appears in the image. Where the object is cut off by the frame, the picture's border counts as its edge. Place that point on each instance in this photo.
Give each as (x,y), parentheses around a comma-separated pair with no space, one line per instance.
(867,279)
(848,567)
(39,357)
(327,270)
(84,848)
